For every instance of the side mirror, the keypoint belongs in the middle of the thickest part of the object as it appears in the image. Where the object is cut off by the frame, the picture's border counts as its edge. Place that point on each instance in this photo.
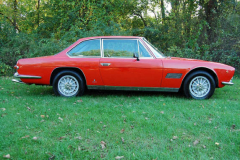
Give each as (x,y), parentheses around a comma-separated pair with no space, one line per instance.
(135,55)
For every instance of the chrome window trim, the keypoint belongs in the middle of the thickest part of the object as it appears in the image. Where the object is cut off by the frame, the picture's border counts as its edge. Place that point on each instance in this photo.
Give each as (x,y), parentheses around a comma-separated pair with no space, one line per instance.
(138,48)
(146,47)
(102,56)
(85,56)
(117,39)
(160,89)
(129,57)
(146,42)
(146,50)
(102,49)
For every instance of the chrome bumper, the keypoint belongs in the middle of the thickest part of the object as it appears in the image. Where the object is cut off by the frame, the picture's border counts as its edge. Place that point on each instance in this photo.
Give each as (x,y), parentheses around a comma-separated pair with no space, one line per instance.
(16,75)
(26,76)
(17,81)
(227,83)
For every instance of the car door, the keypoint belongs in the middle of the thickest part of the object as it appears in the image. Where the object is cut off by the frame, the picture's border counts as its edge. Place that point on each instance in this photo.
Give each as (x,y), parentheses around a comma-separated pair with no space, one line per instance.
(118,67)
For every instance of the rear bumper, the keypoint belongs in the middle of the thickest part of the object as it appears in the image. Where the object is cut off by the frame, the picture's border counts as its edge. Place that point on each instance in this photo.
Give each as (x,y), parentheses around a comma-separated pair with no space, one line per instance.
(16,75)
(26,76)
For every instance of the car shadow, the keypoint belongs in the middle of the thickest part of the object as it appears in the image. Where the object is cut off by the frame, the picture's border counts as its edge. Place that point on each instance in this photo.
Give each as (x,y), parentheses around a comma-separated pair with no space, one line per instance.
(105,93)
(48,91)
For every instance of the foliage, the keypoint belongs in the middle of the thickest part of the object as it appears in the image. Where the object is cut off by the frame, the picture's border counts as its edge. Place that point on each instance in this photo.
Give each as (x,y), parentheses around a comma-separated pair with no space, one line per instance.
(202,29)
(4,69)
(23,45)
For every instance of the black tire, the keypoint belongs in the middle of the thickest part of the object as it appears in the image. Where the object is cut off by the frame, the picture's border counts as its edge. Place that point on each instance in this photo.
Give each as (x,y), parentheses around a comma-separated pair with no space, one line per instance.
(73,80)
(199,85)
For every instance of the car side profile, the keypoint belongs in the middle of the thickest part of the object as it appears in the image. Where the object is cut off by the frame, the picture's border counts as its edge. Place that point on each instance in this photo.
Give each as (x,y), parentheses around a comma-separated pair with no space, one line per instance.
(122,63)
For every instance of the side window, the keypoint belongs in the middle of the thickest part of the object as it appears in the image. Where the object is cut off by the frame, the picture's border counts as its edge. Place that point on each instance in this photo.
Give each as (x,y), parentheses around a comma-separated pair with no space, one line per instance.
(142,51)
(120,48)
(86,48)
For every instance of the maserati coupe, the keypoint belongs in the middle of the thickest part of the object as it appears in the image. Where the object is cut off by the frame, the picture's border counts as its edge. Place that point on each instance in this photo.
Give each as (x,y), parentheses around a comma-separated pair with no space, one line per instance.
(122,63)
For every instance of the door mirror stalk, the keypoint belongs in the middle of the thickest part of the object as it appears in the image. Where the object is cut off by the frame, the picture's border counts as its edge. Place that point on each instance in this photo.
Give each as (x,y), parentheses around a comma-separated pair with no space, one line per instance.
(135,55)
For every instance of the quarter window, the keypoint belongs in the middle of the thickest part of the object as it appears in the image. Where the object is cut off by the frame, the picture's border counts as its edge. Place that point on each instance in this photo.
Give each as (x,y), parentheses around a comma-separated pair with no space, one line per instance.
(86,48)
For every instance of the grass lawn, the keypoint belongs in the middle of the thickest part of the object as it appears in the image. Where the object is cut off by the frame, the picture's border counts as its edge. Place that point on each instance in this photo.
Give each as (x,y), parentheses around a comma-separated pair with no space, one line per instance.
(35,124)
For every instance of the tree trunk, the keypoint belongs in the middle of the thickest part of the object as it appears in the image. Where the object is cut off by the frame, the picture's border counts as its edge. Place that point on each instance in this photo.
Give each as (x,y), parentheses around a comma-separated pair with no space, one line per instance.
(162,10)
(38,13)
(15,15)
(211,18)
(189,18)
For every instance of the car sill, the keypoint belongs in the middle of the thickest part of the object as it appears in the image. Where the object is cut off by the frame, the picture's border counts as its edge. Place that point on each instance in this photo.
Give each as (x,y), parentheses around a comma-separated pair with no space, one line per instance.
(160,89)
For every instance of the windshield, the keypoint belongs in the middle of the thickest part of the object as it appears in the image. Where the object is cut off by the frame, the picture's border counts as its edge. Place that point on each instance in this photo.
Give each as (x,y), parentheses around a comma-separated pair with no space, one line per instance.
(155,51)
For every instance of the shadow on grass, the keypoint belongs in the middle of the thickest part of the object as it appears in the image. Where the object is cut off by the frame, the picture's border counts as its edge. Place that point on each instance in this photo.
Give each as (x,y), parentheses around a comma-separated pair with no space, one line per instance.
(106,93)
(48,91)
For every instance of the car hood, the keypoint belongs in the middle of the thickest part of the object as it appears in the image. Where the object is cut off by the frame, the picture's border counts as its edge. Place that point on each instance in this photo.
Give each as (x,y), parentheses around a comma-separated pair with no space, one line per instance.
(200,63)
(186,59)
(196,60)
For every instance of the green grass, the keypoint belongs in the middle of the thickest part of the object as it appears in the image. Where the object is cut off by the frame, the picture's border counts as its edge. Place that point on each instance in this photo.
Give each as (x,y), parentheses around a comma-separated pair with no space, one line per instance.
(73,128)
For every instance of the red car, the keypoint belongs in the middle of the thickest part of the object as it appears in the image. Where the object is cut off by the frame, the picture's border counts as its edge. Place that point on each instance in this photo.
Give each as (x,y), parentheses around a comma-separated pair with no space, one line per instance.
(122,63)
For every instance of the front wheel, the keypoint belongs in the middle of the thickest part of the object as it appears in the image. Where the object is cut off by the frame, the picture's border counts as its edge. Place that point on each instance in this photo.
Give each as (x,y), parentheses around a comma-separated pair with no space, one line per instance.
(199,85)
(68,84)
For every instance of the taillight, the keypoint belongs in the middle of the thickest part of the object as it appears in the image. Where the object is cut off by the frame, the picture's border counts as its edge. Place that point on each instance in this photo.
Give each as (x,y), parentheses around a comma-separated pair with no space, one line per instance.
(16,67)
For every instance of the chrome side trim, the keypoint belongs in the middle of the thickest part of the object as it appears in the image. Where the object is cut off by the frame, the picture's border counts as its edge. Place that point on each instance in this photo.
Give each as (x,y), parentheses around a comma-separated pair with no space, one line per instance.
(227,83)
(160,89)
(17,81)
(26,76)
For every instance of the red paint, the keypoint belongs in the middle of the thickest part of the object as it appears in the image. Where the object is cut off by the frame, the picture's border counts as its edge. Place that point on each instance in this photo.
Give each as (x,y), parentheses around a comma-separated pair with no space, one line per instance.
(122,71)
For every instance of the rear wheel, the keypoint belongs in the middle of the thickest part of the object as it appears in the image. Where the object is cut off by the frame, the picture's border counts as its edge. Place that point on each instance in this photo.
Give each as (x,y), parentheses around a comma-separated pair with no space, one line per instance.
(199,85)
(68,83)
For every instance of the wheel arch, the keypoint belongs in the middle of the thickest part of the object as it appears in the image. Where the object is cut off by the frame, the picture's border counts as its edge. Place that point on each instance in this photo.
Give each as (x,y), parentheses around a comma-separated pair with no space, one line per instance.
(59,69)
(208,70)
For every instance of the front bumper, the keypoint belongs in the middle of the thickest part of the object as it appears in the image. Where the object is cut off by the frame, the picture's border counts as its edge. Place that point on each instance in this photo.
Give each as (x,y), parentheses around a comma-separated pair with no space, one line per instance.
(17,81)
(228,83)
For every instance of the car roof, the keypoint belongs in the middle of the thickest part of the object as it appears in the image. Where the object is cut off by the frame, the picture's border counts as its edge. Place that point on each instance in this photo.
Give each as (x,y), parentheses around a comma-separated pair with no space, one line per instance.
(109,37)
(96,37)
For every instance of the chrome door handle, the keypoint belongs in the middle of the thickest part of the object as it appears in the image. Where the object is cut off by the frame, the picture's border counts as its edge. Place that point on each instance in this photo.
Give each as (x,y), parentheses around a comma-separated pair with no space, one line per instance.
(105,64)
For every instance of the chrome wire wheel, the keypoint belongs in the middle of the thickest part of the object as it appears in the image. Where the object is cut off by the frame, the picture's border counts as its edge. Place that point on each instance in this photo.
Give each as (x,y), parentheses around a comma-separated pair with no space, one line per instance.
(68,85)
(199,86)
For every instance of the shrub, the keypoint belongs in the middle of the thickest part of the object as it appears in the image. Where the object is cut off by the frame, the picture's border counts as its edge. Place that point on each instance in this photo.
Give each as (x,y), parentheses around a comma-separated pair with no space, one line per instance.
(5,69)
